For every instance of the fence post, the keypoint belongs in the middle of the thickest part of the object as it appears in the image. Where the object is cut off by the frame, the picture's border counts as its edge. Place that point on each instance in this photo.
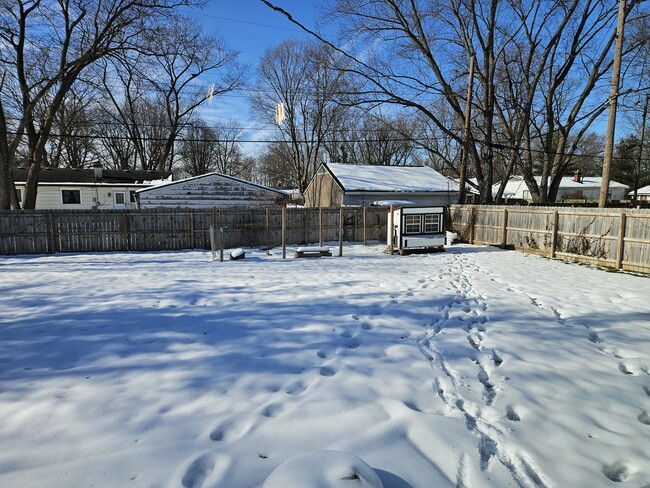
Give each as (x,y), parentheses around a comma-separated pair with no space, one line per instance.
(621,241)
(127,231)
(320,226)
(192,231)
(390,224)
(365,240)
(268,227)
(472,217)
(284,232)
(221,235)
(554,224)
(341,231)
(52,235)
(504,232)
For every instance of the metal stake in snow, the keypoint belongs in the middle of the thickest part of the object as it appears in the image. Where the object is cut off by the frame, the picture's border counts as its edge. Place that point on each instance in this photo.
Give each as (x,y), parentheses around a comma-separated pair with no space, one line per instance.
(213,244)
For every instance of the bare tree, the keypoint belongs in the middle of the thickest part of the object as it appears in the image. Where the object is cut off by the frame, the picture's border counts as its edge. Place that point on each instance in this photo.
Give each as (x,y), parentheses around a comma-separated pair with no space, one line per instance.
(539,71)
(72,143)
(46,46)
(155,93)
(205,149)
(373,138)
(299,75)
(275,166)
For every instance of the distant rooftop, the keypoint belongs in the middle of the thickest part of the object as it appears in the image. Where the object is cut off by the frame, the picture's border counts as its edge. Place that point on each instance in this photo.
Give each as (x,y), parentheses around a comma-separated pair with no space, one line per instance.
(87,176)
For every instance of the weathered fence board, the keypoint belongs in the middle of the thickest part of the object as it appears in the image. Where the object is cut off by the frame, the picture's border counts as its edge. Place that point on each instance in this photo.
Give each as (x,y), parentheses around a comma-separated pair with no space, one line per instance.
(618,238)
(45,231)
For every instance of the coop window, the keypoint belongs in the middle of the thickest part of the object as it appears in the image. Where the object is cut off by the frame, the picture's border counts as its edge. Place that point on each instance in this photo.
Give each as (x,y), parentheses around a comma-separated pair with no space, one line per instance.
(412,224)
(431,223)
(71,197)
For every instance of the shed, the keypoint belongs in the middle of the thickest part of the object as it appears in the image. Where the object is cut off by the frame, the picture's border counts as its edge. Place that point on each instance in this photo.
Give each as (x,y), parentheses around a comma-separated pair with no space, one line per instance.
(416,228)
(211,190)
(337,184)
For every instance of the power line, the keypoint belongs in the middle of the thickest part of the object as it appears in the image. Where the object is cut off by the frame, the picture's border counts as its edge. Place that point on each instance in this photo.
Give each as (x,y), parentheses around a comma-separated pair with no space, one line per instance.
(421,140)
(239,21)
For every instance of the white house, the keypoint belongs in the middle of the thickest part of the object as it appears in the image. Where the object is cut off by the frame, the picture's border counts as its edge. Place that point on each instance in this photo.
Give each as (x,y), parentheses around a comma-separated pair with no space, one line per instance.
(211,190)
(338,184)
(84,189)
(576,187)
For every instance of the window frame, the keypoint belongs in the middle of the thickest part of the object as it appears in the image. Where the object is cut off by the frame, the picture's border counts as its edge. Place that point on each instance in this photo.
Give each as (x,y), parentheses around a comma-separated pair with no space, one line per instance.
(63,199)
(408,224)
(437,224)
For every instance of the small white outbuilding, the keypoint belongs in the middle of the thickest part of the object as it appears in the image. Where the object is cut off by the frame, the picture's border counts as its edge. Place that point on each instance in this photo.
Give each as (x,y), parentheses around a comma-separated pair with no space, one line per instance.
(416,228)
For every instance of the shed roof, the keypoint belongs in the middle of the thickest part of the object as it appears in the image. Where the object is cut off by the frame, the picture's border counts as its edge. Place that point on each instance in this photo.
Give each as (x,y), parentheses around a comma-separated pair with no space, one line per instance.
(362,177)
(208,175)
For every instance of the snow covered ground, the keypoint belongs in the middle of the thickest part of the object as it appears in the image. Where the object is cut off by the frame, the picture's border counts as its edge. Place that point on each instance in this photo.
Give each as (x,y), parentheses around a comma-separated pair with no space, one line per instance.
(471,368)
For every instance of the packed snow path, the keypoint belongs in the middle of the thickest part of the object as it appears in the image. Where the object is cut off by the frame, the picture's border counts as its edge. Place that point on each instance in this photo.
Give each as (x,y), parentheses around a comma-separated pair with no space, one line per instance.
(471,368)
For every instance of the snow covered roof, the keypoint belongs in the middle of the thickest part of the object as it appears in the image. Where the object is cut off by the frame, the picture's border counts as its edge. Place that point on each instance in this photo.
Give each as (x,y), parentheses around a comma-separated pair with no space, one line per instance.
(516,184)
(585,182)
(207,175)
(644,190)
(362,177)
(57,176)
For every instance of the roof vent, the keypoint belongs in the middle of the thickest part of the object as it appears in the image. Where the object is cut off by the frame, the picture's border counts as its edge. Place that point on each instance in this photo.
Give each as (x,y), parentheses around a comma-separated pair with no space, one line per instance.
(99,172)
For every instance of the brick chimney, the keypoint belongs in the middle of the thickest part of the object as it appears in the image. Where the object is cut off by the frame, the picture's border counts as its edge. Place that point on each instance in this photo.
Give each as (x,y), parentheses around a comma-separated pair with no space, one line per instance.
(99,172)
(577,176)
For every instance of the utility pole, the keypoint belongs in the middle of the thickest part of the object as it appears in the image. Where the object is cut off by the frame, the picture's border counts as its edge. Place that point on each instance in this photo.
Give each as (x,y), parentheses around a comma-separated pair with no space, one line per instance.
(464,155)
(641,143)
(613,102)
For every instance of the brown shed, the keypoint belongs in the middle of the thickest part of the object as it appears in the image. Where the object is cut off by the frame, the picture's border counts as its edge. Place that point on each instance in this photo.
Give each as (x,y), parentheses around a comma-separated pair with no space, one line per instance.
(362,185)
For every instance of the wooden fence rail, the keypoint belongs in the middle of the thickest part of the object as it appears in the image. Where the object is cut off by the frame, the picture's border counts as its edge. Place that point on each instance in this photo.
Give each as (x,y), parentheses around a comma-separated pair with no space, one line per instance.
(617,238)
(50,231)
(610,237)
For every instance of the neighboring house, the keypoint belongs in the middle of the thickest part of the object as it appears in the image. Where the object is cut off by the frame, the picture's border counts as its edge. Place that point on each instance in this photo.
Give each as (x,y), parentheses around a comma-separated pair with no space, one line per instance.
(211,190)
(338,184)
(83,189)
(642,194)
(576,187)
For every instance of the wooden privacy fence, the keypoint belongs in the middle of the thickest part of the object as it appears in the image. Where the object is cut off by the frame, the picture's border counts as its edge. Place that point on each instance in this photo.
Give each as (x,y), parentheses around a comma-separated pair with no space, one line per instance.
(50,231)
(617,238)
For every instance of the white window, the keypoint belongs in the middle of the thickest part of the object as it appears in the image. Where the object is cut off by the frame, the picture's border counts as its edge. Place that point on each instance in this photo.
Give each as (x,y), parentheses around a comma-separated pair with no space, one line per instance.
(71,197)
(412,224)
(432,223)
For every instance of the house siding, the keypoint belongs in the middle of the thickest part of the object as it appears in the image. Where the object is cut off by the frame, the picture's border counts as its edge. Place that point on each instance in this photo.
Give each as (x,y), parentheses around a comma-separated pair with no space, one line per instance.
(209,191)
(96,196)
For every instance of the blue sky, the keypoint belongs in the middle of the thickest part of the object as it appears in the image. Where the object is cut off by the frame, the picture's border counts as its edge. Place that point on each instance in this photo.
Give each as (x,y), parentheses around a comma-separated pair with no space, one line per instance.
(250,27)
